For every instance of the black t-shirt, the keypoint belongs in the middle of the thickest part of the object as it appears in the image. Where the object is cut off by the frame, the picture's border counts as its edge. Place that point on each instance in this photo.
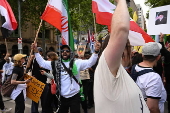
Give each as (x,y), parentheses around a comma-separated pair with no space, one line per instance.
(19,71)
(2,63)
(36,72)
(166,54)
(92,72)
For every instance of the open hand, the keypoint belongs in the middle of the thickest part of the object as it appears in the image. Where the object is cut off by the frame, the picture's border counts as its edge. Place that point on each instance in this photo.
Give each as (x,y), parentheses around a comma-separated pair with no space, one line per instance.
(161,38)
(97,46)
(42,72)
(28,80)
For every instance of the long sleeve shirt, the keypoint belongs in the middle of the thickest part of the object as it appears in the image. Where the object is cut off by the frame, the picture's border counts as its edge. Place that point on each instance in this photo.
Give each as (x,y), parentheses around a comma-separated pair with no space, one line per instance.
(69,89)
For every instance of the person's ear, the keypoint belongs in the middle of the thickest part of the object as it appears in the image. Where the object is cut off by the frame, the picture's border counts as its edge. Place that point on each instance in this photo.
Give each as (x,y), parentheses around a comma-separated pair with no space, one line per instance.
(158,57)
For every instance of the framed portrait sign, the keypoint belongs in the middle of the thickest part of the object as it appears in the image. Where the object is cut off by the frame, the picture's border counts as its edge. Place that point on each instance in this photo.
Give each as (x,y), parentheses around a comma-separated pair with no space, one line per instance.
(81,50)
(159,20)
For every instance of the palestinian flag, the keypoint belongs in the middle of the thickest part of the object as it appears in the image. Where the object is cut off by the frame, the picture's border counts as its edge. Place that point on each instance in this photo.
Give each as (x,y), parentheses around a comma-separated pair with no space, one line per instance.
(57,14)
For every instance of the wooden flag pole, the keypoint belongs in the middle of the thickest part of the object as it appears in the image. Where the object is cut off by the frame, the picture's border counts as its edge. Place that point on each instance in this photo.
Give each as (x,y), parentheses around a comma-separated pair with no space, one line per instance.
(95,34)
(35,40)
(6,46)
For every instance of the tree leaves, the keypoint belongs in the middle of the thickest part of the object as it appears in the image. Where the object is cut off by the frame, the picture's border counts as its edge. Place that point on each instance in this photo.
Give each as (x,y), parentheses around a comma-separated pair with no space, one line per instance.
(157,3)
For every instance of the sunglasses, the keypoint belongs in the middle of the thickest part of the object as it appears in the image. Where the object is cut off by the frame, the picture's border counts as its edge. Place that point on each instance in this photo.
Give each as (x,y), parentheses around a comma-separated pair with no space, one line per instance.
(65,51)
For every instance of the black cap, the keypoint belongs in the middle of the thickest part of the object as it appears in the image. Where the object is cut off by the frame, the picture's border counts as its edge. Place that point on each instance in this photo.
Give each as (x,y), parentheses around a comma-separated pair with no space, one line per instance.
(65,46)
(40,49)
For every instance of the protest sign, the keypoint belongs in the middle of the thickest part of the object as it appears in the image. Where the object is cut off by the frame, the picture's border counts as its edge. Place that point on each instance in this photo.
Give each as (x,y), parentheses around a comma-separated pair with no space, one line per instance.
(84,74)
(81,50)
(34,88)
(159,20)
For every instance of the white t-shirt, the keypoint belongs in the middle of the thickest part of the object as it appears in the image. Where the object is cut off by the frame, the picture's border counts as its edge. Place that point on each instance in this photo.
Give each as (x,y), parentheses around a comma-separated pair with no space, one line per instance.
(117,94)
(151,86)
(69,89)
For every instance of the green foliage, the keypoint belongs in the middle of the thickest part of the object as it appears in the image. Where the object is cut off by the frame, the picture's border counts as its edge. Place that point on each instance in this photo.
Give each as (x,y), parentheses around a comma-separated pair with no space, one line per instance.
(30,11)
(157,3)
(80,12)
(147,15)
(130,12)
(82,16)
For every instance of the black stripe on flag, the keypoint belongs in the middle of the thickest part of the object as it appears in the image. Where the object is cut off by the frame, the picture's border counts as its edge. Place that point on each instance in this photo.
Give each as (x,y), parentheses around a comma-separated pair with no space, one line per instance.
(5,32)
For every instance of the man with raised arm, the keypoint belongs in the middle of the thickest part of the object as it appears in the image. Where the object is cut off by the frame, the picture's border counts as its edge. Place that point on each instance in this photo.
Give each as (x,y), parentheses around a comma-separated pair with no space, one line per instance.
(114,90)
(69,77)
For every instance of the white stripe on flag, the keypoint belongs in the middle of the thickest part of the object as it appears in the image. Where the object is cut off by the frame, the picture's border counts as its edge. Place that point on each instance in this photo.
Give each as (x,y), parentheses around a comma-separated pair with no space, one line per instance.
(136,39)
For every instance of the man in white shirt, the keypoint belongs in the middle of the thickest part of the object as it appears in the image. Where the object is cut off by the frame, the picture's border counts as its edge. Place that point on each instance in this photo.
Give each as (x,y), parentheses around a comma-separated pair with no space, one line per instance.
(114,89)
(7,68)
(150,83)
(70,97)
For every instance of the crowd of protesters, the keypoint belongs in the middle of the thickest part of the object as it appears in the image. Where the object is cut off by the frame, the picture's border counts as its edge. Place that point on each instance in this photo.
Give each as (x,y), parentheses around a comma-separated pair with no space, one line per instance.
(122,79)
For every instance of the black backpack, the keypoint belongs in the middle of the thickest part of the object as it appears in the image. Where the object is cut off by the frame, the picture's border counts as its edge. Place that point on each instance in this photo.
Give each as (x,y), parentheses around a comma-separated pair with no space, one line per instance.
(134,74)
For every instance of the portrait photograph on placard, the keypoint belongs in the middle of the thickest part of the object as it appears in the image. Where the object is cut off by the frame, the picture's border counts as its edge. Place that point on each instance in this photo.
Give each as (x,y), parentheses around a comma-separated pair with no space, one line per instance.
(81,50)
(161,17)
(159,20)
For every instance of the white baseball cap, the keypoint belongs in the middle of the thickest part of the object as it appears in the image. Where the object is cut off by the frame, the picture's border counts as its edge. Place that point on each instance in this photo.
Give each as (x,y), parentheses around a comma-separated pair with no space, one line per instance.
(151,48)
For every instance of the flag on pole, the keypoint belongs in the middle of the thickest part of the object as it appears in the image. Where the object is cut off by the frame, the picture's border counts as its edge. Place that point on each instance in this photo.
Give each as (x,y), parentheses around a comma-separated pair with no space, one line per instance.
(57,14)
(135,17)
(104,10)
(8,19)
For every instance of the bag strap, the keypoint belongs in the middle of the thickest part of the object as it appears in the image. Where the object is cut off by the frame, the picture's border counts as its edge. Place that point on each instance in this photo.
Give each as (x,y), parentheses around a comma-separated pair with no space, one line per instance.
(145,71)
(135,74)
(70,73)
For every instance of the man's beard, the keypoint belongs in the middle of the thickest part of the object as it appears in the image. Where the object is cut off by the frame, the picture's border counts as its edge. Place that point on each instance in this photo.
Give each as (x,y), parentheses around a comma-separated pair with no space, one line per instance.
(65,58)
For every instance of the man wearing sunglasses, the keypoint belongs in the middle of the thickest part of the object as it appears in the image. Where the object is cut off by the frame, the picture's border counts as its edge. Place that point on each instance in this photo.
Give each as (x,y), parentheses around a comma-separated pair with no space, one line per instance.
(69,75)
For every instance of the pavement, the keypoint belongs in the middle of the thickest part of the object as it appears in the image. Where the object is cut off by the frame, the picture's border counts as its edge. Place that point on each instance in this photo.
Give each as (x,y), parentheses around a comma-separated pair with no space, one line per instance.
(11,104)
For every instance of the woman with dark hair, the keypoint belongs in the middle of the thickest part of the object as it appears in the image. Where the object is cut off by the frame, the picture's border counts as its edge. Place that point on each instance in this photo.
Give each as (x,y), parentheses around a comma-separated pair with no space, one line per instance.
(51,101)
(19,93)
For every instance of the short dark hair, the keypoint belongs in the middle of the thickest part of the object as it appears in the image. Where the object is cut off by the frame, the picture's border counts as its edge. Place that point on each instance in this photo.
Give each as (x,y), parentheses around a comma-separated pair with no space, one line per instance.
(149,58)
(65,46)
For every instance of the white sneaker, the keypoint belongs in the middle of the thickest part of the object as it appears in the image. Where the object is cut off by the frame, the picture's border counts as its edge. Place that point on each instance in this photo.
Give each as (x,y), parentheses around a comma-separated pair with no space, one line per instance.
(6,110)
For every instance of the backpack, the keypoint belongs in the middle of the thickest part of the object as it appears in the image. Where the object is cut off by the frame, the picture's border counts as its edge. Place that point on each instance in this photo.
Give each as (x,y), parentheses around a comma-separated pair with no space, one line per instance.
(134,74)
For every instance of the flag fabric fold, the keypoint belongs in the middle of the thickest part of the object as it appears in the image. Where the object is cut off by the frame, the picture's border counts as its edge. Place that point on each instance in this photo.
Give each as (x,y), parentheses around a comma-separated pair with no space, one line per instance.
(57,14)
(6,11)
(104,10)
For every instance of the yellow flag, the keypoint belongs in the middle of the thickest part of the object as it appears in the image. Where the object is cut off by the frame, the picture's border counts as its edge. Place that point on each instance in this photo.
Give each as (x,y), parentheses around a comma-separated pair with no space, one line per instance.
(135,17)
(138,48)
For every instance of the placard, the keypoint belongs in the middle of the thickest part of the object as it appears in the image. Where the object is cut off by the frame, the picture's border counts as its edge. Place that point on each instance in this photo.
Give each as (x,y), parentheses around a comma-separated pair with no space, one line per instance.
(159,20)
(34,88)
(81,50)
(84,74)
